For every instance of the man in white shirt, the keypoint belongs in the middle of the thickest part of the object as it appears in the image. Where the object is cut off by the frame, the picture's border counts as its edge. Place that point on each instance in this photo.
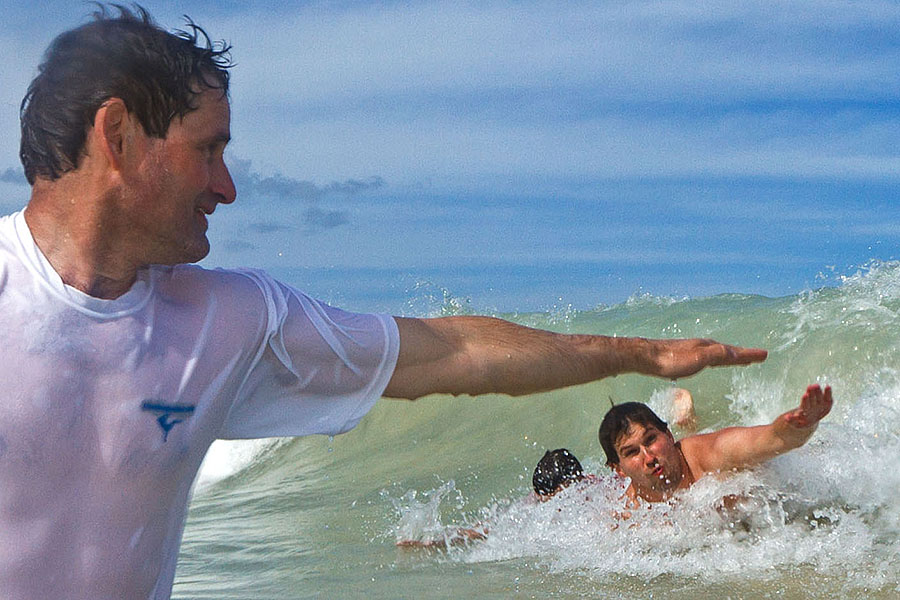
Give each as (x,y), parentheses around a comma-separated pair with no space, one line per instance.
(122,362)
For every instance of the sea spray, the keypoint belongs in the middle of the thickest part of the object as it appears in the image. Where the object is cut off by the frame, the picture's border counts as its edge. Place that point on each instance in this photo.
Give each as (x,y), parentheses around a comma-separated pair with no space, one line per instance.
(420,519)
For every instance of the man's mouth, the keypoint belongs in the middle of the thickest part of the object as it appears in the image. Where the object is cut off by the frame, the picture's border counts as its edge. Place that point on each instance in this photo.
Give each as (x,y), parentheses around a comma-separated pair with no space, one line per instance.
(202,217)
(203,211)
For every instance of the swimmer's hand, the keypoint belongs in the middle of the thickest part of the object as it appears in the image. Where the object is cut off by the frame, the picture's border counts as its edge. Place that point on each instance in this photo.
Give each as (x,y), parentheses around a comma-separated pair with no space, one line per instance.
(421,544)
(682,358)
(814,405)
(457,538)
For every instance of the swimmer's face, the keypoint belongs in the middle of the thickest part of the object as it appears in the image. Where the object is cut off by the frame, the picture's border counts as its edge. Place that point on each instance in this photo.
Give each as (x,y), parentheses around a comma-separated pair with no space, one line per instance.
(650,458)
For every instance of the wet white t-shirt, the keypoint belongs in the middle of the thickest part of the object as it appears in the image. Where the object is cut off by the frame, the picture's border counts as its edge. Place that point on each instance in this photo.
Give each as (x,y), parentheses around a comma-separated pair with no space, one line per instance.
(107,407)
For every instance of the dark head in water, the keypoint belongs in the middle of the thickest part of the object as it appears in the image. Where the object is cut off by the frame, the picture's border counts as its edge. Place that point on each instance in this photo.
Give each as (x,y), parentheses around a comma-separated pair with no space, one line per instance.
(556,470)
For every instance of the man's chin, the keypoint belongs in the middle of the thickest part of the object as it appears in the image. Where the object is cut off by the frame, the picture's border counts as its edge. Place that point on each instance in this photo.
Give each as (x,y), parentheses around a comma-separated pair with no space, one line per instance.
(669,483)
(197,251)
(664,484)
(190,253)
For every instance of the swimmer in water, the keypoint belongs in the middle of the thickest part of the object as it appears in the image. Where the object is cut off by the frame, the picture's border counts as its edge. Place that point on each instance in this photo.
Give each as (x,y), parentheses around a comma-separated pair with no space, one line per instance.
(557,470)
(639,445)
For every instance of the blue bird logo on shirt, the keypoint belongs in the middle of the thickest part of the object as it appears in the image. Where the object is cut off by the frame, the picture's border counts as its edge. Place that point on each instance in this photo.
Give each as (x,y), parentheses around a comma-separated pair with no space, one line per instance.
(168,415)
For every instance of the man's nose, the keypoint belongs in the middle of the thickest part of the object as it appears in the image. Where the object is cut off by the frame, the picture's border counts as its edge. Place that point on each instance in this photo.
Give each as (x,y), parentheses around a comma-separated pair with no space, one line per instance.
(649,458)
(222,185)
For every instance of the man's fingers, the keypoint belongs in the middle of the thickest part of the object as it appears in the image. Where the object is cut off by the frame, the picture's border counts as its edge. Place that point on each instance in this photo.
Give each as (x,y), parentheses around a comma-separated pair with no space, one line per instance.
(818,400)
(725,354)
(809,396)
(814,406)
(685,357)
(826,402)
(745,356)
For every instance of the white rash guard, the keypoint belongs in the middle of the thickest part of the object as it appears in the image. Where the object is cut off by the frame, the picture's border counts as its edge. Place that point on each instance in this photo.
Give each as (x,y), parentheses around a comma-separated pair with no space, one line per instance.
(107,407)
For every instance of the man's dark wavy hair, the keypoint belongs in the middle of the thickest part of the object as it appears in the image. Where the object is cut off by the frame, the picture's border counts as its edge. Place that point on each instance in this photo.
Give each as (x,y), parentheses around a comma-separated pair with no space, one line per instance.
(557,469)
(122,54)
(617,421)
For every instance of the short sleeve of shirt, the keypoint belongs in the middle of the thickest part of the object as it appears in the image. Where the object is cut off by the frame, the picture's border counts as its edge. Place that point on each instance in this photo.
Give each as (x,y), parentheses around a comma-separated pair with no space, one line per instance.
(319,371)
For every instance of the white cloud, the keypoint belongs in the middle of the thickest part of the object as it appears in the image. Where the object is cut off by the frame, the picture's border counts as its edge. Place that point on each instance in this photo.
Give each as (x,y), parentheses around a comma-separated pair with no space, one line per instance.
(787,144)
(457,92)
(633,50)
(460,91)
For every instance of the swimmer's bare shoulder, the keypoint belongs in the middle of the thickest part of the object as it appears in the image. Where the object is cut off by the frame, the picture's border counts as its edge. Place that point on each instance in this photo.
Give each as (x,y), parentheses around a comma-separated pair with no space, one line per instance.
(697,450)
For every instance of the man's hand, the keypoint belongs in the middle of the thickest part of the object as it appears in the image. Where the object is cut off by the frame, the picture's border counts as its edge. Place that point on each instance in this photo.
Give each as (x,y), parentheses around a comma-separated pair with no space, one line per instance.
(682,358)
(814,405)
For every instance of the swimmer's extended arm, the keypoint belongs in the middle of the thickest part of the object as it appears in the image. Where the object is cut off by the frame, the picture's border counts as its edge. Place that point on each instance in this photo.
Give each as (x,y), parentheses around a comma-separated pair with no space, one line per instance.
(459,537)
(737,447)
(480,355)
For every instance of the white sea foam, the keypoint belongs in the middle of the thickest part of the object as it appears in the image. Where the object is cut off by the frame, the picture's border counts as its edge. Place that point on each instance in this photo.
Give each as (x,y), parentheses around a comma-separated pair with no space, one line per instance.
(226,458)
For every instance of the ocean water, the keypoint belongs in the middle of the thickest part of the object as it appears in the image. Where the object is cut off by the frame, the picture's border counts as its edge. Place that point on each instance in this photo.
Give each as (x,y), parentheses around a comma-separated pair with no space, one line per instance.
(319,517)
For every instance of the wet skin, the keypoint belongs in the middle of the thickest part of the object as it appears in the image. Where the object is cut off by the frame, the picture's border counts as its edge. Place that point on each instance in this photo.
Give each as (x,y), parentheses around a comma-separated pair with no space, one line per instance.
(177,182)
(652,460)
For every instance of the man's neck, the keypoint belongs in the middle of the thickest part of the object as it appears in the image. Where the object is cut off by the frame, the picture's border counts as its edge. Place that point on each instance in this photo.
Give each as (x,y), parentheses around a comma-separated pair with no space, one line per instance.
(73,231)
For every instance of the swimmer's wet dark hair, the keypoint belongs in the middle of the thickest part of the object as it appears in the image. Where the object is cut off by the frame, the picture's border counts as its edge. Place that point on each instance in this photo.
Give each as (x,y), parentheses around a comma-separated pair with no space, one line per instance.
(120,54)
(617,421)
(557,469)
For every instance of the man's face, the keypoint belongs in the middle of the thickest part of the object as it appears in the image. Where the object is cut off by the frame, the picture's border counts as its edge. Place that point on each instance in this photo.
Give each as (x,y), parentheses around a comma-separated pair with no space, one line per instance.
(180,181)
(650,458)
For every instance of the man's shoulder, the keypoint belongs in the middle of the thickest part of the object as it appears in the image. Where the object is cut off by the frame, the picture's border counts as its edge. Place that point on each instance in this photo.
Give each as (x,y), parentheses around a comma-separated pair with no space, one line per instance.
(8,235)
(713,451)
(16,245)
(190,281)
(195,274)
(696,450)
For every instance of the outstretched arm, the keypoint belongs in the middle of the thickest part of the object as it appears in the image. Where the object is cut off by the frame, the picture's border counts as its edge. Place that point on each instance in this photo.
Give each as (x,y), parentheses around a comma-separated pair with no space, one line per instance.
(480,355)
(459,537)
(738,447)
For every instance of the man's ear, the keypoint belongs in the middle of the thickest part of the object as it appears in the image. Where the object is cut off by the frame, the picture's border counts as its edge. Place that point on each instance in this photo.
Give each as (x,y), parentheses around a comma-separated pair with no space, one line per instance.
(112,132)
(618,470)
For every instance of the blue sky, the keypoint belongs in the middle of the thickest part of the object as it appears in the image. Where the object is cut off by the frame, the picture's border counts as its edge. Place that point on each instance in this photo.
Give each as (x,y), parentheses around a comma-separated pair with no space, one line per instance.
(532,154)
